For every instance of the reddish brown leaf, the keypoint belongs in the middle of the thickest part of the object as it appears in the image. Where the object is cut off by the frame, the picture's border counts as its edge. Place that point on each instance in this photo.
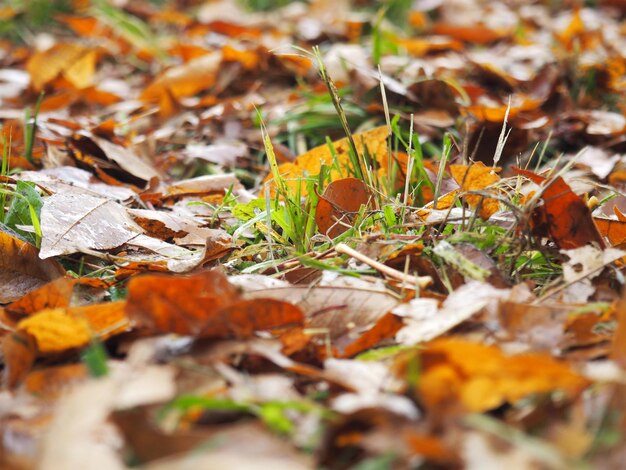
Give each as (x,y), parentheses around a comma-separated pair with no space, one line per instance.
(243,317)
(178,304)
(564,215)
(339,204)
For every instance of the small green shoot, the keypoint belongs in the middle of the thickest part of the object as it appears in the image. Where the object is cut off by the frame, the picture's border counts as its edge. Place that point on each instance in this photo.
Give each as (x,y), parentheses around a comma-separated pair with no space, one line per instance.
(30,128)
(95,359)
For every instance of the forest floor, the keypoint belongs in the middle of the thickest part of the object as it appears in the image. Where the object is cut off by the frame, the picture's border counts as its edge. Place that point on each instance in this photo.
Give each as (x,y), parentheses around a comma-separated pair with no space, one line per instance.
(323,235)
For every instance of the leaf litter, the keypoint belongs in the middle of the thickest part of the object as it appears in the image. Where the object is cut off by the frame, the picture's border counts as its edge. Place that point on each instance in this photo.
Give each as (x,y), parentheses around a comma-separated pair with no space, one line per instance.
(349,235)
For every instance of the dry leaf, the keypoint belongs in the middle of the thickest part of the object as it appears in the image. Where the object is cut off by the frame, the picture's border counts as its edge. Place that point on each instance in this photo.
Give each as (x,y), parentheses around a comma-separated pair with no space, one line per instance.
(77,222)
(374,142)
(55,294)
(480,377)
(75,62)
(564,216)
(339,204)
(477,177)
(21,269)
(55,331)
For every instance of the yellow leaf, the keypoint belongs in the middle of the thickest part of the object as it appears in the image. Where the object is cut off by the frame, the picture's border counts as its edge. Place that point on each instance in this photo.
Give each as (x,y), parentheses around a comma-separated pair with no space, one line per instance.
(481,377)
(81,72)
(55,331)
(310,163)
(66,58)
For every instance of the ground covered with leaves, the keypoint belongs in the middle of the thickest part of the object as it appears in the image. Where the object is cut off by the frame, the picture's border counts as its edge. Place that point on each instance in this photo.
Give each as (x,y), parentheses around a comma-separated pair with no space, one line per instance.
(323,235)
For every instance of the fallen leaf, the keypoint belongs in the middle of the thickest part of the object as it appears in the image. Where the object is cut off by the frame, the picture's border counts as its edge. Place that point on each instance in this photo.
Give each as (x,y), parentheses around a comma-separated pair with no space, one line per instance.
(166,225)
(339,311)
(111,158)
(147,253)
(20,351)
(477,177)
(481,377)
(243,317)
(425,320)
(385,328)
(187,79)
(478,34)
(209,307)
(372,142)
(339,204)
(584,265)
(50,383)
(81,417)
(55,331)
(104,319)
(613,230)
(21,269)
(55,294)
(74,222)
(181,304)
(77,64)
(564,216)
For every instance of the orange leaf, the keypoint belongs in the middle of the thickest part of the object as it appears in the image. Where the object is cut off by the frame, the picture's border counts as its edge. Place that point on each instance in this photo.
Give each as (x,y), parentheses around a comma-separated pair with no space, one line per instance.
(205,305)
(385,328)
(55,294)
(474,178)
(564,215)
(339,204)
(185,80)
(105,319)
(51,382)
(19,350)
(477,34)
(613,230)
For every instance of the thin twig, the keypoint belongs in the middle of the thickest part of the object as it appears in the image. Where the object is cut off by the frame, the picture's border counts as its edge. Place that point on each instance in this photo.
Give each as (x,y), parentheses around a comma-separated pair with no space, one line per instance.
(421,281)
